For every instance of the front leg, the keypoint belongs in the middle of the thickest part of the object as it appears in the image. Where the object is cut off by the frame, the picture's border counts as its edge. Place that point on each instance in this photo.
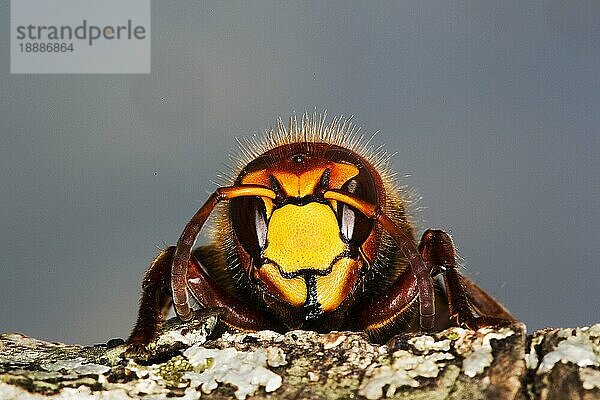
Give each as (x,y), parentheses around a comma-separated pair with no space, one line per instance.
(156,300)
(380,316)
(465,298)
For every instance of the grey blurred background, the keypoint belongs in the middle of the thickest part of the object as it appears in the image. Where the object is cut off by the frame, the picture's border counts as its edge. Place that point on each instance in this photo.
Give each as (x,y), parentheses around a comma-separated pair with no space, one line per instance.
(493,109)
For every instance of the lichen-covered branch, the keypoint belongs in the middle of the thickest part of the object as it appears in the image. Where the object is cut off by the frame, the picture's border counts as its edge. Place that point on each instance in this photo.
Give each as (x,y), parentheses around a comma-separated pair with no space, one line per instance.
(187,362)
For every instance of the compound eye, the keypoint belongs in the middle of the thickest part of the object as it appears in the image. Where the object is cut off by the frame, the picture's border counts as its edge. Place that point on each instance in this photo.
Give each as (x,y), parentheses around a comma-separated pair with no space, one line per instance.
(249,221)
(355,227)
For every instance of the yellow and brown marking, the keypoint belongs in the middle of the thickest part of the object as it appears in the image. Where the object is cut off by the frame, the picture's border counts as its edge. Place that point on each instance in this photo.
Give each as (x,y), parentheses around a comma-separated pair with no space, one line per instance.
(305,261)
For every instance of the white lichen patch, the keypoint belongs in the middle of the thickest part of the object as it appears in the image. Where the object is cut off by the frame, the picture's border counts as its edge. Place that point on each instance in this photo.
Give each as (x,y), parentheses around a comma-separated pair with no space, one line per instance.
(312,376)
(577,349)
(64,364)
(10,392)
(477,349)
(404,369)
(91,369)
(427,343)
(275,357)
(425,366)
(150,380)
(260,336)
(593,331)
(149,388)
(245,370)
(187,336)
(333,340)
(190,394)
(361,355)
(590,378)
(76,366)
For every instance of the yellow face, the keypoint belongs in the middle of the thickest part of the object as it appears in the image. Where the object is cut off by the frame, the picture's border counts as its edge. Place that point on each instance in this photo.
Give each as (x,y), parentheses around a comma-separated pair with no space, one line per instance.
(301,247)
(304,251)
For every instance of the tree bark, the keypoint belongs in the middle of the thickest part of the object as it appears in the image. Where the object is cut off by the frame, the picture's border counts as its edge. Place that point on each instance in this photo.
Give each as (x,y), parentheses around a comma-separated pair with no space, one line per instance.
(193,360)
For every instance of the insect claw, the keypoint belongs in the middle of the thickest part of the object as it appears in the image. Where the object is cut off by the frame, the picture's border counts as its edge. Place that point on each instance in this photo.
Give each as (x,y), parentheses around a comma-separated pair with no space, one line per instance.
(427,321)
